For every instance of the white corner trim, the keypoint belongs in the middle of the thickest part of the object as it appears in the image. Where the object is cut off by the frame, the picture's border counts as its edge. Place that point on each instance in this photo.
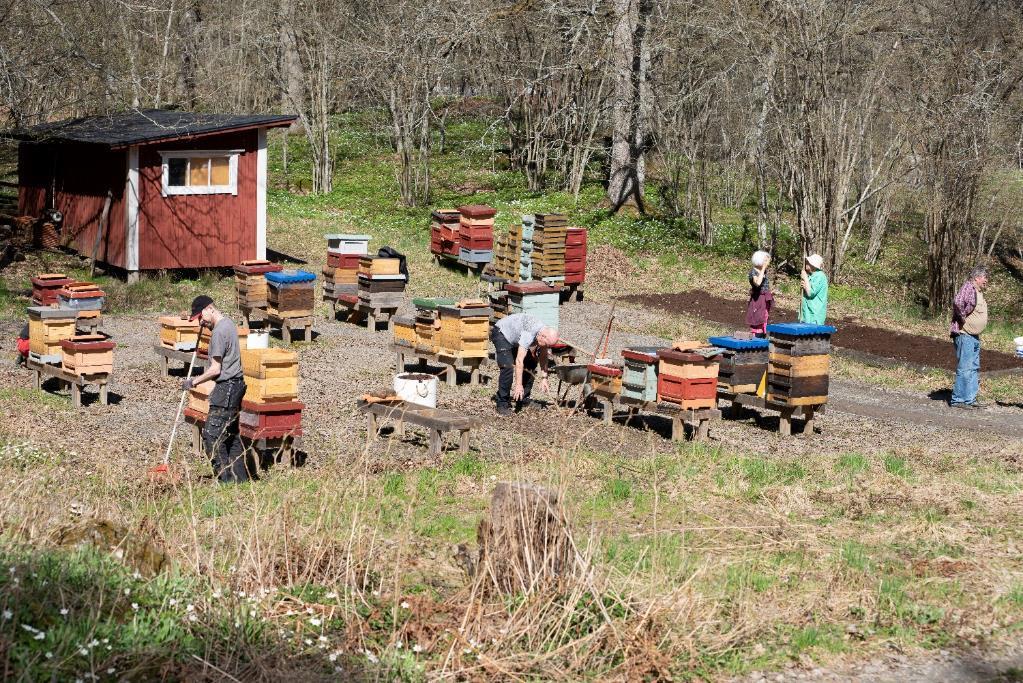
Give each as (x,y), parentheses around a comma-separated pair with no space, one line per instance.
(261,194)
(131,211)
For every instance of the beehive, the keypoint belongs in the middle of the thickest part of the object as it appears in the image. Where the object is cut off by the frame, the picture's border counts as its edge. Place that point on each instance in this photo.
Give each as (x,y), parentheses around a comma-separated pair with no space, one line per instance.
(88,354)
(476,233)
(549,245)
(798,363)
(178,333)
(347,244)
(537,299)
(81,296)
(464,331)
(639,376)
(743,367)
(378,265)
(270,375)
(250,282)
(199,397)
(46,286)
(47,327)
(605,380)
(279,418)
(291,294)
(687,379)
(575,256)
(405,331)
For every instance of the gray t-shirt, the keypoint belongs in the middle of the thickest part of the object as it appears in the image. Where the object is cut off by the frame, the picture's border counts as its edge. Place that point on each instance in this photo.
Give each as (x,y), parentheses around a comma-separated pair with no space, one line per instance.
(520,328)
(224,345)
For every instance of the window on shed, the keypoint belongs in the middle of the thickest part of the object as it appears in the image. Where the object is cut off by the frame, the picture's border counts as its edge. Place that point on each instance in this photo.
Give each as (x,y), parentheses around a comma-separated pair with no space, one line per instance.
(200,172)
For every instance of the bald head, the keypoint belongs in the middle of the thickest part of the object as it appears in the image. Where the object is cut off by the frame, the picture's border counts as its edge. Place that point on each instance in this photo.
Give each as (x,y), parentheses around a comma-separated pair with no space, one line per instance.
(548,336)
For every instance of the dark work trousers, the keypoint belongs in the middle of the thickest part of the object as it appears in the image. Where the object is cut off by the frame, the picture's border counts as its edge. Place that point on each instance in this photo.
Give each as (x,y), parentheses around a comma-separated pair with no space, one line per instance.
(220,435)
(504,354)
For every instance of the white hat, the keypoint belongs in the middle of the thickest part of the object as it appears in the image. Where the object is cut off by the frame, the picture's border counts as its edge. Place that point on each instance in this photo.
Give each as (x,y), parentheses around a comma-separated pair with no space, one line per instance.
(816,261)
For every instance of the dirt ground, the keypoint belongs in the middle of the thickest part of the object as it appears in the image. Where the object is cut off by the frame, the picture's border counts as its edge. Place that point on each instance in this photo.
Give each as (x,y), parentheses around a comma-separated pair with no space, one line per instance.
(911,349)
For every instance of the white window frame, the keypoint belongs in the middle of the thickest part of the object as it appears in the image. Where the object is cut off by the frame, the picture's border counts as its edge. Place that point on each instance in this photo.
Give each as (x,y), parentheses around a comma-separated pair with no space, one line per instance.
(230,188)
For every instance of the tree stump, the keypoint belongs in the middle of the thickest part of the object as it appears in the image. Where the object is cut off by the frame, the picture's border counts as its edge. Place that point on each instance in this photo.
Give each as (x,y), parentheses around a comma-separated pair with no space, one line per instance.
(525,542)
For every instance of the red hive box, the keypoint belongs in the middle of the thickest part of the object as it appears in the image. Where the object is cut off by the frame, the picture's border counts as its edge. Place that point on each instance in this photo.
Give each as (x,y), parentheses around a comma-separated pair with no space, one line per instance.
(575,237)
(343,261)
(45,287)
(271,419)
(689,393)
(257,267)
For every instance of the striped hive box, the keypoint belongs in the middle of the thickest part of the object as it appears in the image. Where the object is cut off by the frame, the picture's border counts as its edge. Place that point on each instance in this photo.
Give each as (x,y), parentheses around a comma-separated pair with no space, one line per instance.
(178,333)
(405,331)
(464,331)
(270,375)
(88,354)
(291,294)
(605,380)
(537,299)
(639,378)
(378,265)
(47,328)
(743,367)
(799,363)
(687,379)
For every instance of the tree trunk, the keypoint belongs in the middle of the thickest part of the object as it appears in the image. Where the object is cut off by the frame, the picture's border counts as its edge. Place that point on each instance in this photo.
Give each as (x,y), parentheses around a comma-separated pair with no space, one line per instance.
(631,102)
(188,80)
(293,95)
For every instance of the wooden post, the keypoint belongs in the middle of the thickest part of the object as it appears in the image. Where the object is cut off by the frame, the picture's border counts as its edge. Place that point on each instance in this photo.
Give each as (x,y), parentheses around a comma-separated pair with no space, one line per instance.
(197,439)
(76,394)
(463,441)
(165,364)
(371,320)
(785,422)
(451,374)
(309,331)
(474,375)
(38,380)
(371,426)
(606,410)
(285,332)
(735,411)
(436,442)
(703,430)
(399,363)
(810,413)
(678,429)
(103,396)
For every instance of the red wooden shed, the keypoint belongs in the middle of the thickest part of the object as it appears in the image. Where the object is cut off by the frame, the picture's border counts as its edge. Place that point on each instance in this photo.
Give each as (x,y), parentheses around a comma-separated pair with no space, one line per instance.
(187,190)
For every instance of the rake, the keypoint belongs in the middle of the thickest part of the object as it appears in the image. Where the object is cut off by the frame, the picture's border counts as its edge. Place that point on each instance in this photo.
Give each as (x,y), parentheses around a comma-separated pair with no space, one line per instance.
(163,469)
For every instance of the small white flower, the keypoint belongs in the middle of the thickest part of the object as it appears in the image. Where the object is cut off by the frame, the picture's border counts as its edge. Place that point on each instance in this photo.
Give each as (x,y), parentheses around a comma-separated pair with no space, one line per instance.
(308,641)
(193,618)
(404,604)
(135,606)
(49,655)
(417,648)
(323,639)
(376,594)
(172,602)
(371,657)
(127,591)
(216,594)
(8,614)
(83,652)
(397,645)
(190,608)
(331,595)
(237,624)
(136,575)
(332,657)
(315,622)
(241,594)
(93,643)
(111,670)
(63,611)
(13,569)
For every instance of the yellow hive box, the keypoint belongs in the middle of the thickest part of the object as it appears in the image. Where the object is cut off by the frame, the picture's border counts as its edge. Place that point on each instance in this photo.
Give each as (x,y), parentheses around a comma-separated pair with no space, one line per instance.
(199,396)
(175,330)
(378,266)
(88,362)
(606,386)
(426,337)
(44,336)
(269,363)
(692,370)
(271,389)
(405,332)
(800,366)
(466,328)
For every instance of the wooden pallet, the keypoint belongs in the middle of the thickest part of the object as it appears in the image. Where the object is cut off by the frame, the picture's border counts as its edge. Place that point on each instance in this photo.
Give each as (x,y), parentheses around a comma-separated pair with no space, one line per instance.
(76,382)
(287,325)
(439,422)
(356,312)
(167,355)
(699,418)
(449,362)
(787,412)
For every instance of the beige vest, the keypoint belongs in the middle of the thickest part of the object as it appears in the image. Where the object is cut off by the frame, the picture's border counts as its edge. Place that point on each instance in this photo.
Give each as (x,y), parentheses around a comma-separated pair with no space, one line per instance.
(976,322)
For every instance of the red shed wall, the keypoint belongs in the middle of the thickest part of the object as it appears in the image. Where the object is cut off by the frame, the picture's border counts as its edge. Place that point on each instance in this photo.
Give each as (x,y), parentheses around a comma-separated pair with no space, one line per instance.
(81,174)
(197,231)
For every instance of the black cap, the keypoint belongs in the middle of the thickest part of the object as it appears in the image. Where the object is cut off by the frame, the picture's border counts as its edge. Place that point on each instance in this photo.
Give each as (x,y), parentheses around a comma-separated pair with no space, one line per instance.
(199,304)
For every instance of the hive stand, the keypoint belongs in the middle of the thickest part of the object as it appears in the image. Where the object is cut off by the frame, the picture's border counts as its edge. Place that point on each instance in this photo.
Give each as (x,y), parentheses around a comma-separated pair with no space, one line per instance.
(284,447)
(287,325)
(356,312)
(449,362)
(472,267)
(167,355)
(568,291)
(699,418)
(89,325)
(76,382)
(438,421)
(253,314)
(787,413)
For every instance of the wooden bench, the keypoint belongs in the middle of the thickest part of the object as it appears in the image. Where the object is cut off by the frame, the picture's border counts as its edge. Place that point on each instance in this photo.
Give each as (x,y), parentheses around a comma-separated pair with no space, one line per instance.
(786,413)
(439,422)
(283,447)
(699,418)
(76,382)
(357,311)
(167,355)
(449,362)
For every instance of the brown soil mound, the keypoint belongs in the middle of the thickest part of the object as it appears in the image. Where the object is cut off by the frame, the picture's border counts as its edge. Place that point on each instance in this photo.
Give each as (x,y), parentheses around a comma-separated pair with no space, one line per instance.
(856,337)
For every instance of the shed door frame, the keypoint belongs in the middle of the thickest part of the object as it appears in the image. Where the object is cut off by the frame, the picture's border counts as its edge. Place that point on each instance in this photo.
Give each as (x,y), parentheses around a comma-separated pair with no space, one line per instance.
(131,211)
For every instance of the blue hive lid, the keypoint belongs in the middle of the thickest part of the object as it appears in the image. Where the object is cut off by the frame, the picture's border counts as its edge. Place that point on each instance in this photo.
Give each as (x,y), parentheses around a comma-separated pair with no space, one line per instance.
(734,344)
(800,329)
(288,276)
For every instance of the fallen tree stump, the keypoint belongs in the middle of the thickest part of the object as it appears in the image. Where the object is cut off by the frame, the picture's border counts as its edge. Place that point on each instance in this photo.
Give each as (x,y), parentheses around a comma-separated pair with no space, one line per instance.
(525,541)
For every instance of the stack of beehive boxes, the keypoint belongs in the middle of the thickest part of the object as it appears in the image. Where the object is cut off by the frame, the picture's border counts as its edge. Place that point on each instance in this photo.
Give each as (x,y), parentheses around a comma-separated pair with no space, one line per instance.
(88,354)
(86,298)
(639,379)
(687,379)
(444,232)
(270,407)
(799,363)
(476,233)
(290,294)
(250,282)
(341,274)
(743,368)
(538,299)
(549,246)
(575,256)
(381,284)
(46,288)
(605,379)
(464,329)
(513,252)
(427,323)
(47,328)
(178,332)
(404,331)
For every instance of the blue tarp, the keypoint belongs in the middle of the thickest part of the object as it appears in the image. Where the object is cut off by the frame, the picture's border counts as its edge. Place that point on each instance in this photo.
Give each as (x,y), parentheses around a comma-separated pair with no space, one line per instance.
(800,329)
(289,276)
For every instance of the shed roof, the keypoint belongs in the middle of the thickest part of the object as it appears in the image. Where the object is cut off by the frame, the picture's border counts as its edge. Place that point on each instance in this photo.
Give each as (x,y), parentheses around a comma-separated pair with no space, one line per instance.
(146,126)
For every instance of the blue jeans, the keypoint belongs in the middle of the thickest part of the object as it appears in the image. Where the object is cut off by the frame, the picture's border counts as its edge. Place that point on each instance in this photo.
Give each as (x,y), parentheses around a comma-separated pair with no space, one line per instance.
(967,382)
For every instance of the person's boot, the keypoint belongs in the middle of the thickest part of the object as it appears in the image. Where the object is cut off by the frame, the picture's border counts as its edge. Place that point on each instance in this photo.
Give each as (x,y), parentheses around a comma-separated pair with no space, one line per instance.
(505,410)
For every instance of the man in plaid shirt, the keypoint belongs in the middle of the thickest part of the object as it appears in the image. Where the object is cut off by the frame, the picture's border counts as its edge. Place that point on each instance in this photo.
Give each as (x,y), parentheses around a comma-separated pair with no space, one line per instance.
(969,318)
